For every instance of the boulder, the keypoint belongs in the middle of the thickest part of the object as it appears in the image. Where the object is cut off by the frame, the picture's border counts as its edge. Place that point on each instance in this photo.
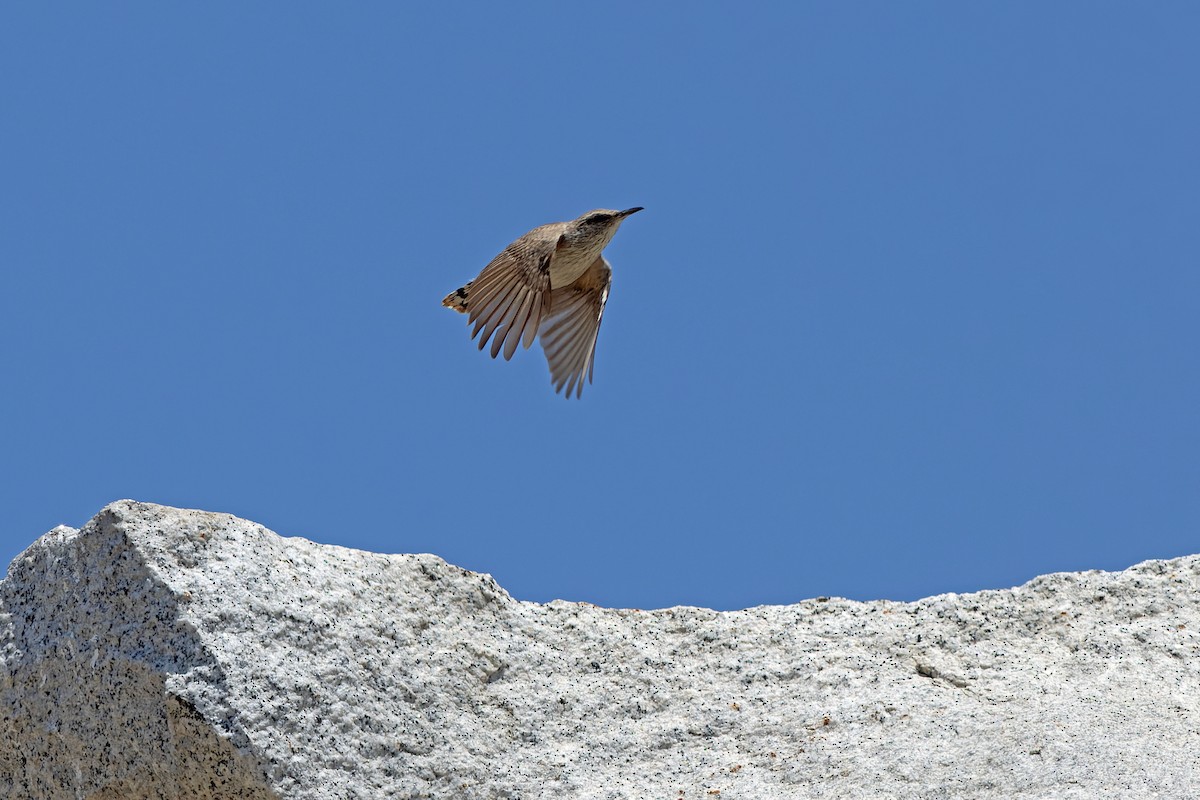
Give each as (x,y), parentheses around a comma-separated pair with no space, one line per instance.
(167,653)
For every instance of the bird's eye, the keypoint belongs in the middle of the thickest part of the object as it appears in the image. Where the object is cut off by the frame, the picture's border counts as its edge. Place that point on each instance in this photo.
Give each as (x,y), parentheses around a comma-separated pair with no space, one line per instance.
(594,218)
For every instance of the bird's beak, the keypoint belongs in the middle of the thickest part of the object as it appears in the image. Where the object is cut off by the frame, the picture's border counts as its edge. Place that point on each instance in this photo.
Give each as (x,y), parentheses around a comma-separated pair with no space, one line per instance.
(629,211)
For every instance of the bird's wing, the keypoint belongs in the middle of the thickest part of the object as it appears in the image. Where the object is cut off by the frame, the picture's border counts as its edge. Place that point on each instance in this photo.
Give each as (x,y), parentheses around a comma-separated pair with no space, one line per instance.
(569,330)
(511,295)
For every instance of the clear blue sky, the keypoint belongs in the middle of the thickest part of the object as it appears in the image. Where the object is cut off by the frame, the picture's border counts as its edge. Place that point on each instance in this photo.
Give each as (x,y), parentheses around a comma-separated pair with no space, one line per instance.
(914,305)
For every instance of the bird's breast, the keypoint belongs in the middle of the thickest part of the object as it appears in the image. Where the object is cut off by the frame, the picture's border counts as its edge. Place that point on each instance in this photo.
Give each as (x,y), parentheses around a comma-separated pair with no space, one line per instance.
(571,262)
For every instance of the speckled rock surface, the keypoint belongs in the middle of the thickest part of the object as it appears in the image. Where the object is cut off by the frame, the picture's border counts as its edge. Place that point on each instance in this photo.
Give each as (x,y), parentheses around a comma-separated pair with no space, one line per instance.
(163,653)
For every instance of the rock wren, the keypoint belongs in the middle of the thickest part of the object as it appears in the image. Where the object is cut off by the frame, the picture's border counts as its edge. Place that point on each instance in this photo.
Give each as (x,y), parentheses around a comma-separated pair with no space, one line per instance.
(551,283)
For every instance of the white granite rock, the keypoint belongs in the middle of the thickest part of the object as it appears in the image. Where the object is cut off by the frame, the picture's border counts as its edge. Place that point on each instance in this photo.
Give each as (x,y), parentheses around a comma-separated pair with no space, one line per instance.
(163,653)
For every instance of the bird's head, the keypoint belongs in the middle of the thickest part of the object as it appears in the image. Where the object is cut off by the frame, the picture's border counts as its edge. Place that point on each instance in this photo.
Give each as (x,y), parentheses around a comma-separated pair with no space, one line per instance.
(605,218)
(597,228)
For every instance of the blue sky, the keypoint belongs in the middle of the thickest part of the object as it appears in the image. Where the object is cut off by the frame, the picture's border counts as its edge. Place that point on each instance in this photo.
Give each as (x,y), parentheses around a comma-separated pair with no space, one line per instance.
(913,306)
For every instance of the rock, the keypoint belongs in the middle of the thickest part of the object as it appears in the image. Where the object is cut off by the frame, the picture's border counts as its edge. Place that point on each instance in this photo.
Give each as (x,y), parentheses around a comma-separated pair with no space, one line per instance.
(163,653)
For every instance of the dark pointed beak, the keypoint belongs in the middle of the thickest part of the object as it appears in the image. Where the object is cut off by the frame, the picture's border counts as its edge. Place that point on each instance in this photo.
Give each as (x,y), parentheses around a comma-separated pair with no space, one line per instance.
(629,211)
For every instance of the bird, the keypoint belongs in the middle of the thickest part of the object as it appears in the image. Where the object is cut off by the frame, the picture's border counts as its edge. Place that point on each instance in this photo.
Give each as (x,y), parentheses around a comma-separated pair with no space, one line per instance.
(552,284)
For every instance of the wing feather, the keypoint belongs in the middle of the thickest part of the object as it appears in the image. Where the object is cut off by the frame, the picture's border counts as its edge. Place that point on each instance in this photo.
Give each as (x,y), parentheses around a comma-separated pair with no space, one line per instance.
(518,326)
(569,330)
(535,318)
(493,309)
(512,293)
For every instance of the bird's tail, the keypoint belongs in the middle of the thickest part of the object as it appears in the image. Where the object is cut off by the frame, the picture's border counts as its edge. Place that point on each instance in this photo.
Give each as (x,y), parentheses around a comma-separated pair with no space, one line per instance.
(458,299)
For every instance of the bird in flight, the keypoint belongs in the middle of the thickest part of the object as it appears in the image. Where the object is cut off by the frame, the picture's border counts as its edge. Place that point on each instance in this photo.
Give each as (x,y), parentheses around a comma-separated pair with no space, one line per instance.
(552,284)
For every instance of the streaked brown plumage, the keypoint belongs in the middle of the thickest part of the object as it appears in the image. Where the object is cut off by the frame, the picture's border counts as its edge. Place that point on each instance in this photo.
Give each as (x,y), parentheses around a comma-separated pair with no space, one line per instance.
(551,283)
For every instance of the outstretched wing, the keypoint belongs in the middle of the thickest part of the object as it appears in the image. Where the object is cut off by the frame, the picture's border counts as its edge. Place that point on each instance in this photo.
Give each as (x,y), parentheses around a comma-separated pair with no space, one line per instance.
(568,333)
(509,298)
